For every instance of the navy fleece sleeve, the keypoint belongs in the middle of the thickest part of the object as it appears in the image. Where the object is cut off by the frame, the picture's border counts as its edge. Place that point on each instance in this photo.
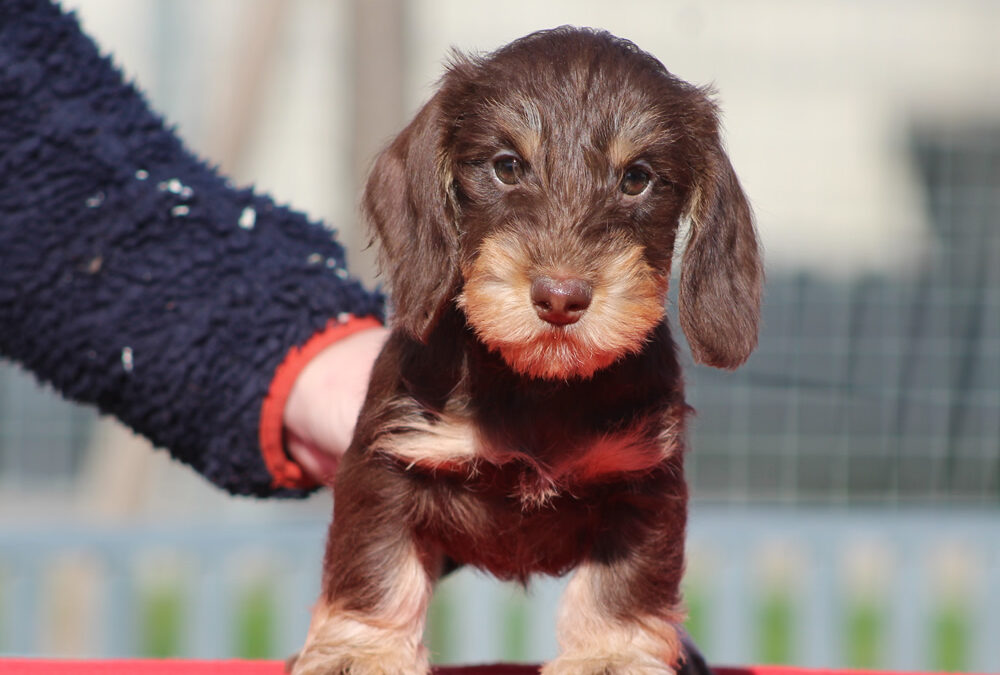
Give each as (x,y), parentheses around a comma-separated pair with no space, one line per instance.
(132,276)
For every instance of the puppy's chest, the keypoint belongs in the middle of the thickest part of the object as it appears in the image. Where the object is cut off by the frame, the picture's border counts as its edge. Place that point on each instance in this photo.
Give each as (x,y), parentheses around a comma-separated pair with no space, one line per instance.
(547,456)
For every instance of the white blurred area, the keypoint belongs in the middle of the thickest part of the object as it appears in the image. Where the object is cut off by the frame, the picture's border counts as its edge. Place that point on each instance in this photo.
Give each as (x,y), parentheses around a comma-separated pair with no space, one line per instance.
(817,97)
(295,96)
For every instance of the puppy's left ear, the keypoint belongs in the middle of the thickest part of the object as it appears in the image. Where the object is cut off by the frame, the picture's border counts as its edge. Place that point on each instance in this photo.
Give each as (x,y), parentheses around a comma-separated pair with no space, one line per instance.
(407,205)
(722,271)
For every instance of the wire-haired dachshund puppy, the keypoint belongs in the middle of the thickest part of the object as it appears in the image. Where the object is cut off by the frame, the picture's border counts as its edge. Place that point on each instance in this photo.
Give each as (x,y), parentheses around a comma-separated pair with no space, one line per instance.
(527,414)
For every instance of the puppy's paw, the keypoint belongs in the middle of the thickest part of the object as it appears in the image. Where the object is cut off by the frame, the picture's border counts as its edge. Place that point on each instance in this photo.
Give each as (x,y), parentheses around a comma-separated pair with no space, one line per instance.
(616,664)
(352,644)
(341,662)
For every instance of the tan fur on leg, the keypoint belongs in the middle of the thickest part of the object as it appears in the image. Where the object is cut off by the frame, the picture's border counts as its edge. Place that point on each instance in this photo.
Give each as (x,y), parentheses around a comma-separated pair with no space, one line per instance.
(386,641)
(594,642)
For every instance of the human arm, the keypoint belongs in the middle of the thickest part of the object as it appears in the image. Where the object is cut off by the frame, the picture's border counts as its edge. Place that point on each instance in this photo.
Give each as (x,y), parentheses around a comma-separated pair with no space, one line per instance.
(316,429)
(133,276)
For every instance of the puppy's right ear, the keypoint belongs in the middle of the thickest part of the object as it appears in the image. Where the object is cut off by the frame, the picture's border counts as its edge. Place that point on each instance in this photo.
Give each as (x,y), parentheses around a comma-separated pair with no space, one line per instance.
(407,205)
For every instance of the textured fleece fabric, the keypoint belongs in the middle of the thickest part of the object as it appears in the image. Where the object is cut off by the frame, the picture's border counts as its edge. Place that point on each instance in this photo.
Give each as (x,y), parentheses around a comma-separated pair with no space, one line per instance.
(132,275)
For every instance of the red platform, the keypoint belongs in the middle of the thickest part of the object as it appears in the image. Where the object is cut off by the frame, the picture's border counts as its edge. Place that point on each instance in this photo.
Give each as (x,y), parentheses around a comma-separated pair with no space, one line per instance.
(168,667)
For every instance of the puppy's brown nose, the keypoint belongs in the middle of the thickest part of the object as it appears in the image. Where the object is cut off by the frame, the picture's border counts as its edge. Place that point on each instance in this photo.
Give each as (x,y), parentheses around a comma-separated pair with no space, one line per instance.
(560,301)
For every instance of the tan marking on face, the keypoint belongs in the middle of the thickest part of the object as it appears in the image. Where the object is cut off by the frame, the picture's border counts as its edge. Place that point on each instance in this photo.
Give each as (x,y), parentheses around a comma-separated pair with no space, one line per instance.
(388,640)
(633,133)
(521,121)
(627,303)
(592,641)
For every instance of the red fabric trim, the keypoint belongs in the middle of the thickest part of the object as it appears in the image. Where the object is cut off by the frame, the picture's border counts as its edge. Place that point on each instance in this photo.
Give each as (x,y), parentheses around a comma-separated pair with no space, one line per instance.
(285,471)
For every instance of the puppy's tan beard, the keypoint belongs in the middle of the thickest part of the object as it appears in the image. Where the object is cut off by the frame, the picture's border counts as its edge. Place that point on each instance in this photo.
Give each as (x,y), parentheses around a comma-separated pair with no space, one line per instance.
(627,303)
(555,355)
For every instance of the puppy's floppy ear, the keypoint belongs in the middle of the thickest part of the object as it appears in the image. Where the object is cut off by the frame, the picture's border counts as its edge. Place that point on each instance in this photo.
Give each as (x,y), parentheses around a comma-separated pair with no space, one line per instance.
(407,205)
(722,272)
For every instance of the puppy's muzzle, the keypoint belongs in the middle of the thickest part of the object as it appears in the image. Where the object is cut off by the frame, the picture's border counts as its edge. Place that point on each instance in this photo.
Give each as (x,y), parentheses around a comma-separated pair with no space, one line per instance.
(560,301)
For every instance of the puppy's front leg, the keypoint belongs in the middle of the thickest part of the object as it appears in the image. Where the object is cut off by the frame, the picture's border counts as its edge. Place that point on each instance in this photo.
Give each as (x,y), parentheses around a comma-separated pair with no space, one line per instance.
(621,611)
(377,581)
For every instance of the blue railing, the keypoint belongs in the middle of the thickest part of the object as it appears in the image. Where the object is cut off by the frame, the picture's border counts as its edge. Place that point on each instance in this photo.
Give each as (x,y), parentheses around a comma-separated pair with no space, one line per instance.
(901,590)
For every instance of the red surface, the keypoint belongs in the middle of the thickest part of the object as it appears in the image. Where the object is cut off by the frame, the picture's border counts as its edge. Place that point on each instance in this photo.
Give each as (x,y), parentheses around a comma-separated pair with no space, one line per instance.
(167,667)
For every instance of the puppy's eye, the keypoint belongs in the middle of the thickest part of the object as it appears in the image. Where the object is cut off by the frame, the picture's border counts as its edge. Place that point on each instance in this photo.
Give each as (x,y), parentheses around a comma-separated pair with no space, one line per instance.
(508,169)
(635,180)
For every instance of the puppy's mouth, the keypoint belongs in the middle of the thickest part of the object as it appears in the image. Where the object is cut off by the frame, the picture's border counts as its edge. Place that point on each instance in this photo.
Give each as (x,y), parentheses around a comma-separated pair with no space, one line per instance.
(561,320)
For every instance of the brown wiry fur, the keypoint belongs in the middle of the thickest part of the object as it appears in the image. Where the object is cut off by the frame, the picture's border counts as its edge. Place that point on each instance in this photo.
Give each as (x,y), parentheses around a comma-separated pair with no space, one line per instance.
(494,438)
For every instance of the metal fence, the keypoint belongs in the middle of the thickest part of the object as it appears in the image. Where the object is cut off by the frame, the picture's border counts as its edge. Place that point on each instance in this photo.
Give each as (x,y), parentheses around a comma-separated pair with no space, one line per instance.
(42,436)
(878,389)
(902,590)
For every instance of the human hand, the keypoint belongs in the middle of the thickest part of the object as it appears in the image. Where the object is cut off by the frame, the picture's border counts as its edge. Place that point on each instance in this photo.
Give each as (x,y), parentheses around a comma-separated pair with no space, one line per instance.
(324,402)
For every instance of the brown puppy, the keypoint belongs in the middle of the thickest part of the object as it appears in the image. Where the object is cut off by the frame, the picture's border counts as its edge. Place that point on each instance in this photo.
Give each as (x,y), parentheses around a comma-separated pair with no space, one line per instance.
(527,414)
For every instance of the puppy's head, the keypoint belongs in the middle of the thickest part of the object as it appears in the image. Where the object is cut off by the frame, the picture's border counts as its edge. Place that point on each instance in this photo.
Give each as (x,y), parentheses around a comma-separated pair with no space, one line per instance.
(541,189)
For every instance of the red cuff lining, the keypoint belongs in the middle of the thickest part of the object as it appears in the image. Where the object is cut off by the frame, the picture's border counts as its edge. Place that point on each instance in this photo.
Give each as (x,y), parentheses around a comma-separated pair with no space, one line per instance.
(286,472)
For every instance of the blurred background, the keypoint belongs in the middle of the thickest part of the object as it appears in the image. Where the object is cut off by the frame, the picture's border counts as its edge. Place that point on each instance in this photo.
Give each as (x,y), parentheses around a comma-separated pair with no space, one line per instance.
(846,481)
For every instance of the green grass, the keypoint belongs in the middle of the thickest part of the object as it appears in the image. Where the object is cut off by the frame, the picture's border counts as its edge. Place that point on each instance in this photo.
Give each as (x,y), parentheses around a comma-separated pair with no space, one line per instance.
(865,631)
(441,628)
(697,619)
(864,626)
(950,630)
(775,619)
(865,635)
(161,611)
(255,630)
(515,626)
